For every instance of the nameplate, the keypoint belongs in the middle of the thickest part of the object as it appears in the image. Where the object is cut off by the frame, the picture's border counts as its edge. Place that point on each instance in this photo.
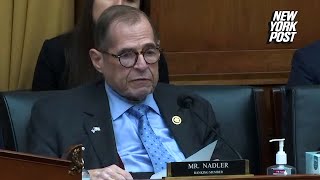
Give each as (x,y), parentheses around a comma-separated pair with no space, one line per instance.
(205,168)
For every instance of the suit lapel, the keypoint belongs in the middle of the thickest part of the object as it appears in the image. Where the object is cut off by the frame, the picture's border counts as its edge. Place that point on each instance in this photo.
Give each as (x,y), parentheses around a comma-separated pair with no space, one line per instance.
(97,114)
(169,108)
(98,125)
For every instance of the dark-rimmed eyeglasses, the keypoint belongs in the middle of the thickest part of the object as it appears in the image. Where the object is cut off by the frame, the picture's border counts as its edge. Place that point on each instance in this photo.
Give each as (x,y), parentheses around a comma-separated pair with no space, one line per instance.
(129,59)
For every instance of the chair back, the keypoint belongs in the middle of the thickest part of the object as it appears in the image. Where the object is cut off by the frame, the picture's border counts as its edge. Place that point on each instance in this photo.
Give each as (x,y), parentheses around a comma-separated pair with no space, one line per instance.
(303,124)
(15,111)
(237,112)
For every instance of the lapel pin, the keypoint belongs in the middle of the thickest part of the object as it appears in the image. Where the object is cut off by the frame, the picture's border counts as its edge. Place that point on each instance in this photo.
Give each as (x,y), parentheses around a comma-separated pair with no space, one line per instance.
(176,120)
(94,129)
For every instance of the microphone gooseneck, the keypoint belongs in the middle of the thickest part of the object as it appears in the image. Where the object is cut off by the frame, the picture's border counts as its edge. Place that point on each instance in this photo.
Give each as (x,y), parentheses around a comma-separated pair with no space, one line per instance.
(186,102)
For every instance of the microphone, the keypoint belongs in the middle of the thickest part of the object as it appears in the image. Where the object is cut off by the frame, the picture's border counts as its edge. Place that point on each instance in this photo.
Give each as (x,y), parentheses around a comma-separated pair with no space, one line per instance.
(186,102)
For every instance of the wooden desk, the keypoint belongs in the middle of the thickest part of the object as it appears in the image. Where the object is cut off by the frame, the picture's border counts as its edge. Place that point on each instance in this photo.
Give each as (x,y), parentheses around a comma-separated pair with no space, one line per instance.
(17,166)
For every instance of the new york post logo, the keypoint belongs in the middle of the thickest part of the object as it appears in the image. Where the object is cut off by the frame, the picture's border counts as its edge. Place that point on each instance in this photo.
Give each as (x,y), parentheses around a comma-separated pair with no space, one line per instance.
(283,26)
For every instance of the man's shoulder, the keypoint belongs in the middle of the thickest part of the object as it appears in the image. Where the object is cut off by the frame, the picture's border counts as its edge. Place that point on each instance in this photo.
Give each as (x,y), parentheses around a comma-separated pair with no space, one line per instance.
(58,99)
(69,98)
(311,47)
(310,52)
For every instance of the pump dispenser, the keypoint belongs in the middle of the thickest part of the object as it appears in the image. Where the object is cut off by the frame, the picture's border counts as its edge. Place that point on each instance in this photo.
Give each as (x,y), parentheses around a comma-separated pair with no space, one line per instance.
(281,168)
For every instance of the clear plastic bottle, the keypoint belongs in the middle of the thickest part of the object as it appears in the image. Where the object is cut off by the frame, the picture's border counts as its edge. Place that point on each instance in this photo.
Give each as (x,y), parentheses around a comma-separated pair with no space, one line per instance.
(85,173)
(281,168)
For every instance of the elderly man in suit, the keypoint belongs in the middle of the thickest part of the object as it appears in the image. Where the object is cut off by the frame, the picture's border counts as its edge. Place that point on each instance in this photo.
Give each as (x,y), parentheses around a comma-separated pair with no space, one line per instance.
(129,122)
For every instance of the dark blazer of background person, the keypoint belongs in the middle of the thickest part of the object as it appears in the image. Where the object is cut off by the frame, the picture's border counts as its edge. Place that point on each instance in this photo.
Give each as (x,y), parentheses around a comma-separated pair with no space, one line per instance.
(305,68)
(67,119)
(50,72)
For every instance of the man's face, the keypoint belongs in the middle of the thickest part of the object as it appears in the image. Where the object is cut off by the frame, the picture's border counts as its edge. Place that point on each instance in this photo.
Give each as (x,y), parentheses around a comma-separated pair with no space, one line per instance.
(100,5)
(136,82)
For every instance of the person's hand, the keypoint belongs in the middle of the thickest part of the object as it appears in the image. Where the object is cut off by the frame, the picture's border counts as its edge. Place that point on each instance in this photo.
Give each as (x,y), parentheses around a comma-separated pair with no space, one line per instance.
(110,172)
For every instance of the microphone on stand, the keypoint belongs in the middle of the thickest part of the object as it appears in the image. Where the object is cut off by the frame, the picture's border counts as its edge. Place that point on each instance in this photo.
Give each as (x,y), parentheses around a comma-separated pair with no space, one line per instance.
(186,102)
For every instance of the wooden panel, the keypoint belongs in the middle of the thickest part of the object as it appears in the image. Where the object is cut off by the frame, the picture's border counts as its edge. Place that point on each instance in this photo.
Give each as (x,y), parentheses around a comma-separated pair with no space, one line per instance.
(206,25)
(230,67)
(219,38)
(229,61)
(16,166)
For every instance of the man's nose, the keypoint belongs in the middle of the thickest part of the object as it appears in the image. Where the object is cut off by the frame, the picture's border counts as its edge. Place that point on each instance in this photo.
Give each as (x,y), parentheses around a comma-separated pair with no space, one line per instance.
(141,62)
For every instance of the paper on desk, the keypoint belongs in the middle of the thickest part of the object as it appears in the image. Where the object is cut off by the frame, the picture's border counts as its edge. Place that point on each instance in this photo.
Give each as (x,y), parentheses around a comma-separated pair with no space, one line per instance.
(203,154)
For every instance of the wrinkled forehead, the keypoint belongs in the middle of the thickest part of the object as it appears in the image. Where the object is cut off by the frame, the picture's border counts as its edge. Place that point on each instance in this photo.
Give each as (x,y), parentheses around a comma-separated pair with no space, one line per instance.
(138,34)
(128,22)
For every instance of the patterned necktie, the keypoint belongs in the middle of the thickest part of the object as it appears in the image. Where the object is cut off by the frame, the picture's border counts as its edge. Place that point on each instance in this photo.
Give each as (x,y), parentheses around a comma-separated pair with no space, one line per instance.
(158,155)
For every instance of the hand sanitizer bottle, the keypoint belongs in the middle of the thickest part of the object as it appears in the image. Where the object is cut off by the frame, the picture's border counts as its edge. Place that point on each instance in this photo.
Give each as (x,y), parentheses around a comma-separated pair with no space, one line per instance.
(281,168)
(85,173)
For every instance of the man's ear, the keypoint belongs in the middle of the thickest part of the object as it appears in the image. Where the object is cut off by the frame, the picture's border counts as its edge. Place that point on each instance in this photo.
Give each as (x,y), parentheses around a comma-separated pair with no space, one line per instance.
(96,59)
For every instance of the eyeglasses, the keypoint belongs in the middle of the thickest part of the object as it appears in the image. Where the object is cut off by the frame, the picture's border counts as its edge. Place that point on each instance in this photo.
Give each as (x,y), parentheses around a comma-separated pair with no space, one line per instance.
(129,59)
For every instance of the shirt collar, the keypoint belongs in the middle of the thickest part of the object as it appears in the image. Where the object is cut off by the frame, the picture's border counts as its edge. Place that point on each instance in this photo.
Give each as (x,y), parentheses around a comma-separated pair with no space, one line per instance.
(119,105)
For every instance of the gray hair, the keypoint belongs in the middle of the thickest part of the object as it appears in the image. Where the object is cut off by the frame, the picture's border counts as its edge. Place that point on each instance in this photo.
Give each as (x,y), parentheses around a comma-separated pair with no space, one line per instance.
(116,14)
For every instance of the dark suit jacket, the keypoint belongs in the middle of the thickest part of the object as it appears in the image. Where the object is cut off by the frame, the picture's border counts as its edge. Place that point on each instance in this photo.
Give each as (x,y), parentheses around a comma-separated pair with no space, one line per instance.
(49,71)
(305,68)
(67,119)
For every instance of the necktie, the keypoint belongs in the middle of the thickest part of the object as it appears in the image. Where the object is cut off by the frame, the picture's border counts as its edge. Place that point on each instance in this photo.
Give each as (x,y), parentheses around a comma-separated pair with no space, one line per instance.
(158,155)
